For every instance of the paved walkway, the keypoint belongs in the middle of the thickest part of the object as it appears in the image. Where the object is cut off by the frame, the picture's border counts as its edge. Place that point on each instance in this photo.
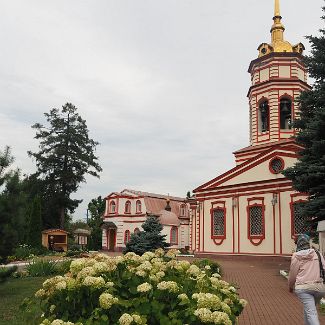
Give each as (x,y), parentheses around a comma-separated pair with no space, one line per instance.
(266,290)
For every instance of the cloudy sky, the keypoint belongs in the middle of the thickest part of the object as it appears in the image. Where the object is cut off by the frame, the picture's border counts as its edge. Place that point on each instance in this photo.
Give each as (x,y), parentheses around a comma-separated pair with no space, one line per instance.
(162,84)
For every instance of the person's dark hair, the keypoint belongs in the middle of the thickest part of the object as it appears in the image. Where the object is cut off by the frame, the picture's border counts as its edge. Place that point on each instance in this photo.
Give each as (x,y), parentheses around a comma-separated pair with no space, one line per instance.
(303,242)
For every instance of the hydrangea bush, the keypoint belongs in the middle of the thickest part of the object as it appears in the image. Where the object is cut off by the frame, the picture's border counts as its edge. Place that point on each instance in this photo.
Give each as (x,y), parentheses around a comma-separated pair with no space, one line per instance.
(150,289)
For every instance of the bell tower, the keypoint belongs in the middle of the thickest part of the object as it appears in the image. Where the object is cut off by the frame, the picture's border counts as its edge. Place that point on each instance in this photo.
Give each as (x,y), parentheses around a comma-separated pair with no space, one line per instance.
(278,76)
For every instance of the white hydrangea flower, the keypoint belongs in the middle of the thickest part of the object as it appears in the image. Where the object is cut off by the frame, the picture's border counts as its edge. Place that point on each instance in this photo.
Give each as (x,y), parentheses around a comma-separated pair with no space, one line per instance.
(76,266)
(232,289)
(125,319)
(61,285)
(40,293)
(194,270)
(207,267)
(52,308)
(203,314)
(100,267)
(95,282)
(243,302)
(106,300)
(170,286)
(137,319)
(172,253)
(144,287)
(219,317)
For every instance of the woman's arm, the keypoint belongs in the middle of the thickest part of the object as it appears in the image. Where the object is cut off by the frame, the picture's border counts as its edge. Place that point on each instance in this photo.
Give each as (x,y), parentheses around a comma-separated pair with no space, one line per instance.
(294,268)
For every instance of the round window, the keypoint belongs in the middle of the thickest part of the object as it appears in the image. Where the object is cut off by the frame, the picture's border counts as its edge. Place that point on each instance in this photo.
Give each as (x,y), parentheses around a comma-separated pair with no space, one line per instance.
(276,165)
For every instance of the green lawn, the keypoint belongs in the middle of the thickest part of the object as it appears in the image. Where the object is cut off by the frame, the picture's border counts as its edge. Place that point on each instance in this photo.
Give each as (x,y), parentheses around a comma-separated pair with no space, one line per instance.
(12,293)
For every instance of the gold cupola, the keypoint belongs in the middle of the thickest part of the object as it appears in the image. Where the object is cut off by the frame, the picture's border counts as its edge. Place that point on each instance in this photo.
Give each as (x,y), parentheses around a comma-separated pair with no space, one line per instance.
(278,44)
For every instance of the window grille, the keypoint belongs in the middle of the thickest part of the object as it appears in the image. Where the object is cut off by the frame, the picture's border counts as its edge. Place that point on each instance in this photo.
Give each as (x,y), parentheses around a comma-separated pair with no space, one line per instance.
(218,222)
(173,235)
(256,220)
(277,165)
(126,236)
(299,221)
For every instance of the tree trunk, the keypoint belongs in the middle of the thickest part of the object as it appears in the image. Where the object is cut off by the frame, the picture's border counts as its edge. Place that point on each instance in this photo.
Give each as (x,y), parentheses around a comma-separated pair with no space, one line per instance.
(62,217)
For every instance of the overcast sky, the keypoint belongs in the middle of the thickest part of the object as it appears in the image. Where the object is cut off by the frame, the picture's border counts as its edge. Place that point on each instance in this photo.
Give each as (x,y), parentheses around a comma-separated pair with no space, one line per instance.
(162,84)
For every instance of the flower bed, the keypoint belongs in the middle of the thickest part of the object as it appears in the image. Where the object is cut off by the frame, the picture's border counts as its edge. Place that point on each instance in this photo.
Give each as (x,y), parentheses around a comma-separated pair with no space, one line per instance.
(152,289)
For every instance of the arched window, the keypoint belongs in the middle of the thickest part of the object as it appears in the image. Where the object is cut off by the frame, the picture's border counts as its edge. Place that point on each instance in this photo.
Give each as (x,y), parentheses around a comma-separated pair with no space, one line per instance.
(264,115)
(126,236)
(136,230)
(112,207)
(138,206)
(127,207)
(285,113)
(174,236)
(182,210)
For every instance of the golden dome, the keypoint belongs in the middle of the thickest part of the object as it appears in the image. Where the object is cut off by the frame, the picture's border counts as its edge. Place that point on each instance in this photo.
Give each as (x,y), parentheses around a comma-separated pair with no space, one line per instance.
(278,44)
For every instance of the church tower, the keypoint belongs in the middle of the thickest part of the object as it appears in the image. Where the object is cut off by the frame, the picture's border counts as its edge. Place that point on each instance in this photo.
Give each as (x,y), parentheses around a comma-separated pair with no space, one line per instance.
(278,76)
(253,209)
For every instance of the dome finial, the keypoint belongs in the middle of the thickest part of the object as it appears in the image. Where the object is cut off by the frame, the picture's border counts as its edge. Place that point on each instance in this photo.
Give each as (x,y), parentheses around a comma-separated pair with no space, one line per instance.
(277,8)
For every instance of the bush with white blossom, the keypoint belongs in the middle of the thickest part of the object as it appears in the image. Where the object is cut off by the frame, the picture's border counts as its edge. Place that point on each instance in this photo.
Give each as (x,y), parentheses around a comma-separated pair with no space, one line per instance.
(151,289)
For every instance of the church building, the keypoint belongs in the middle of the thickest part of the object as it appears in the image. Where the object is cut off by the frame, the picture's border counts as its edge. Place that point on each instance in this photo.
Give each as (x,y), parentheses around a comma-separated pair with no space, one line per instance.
(253,208)
(127,210)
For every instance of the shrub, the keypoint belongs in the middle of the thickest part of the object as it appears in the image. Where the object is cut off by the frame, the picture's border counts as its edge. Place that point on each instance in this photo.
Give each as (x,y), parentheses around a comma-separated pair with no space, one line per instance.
(208,264)
(5,272)
(41,267)
(150,289)
(62,267)
(23,251)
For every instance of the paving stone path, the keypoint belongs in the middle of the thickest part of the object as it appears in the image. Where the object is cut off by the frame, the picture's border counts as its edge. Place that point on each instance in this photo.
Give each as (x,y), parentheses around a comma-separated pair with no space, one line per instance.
(260,283)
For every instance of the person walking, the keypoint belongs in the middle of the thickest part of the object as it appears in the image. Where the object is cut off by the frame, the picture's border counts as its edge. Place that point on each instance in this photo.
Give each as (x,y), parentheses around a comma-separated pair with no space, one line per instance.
(306,278)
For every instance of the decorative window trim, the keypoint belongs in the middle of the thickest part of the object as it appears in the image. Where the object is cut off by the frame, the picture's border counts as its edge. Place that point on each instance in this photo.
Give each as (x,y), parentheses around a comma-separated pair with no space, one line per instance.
(218,205)
(293,234)
(270,165)
(110,209)
(137,205)
(127,207)
(127,236)
(254,202)
(174,228)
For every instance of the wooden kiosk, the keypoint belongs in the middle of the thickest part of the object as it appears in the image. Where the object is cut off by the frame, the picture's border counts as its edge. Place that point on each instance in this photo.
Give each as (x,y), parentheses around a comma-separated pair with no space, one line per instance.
(55,239)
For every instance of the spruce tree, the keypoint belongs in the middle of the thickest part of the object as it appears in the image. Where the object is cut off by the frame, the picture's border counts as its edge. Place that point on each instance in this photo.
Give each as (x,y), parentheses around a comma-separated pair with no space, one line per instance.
(308,174)
(66,155)
(149,239)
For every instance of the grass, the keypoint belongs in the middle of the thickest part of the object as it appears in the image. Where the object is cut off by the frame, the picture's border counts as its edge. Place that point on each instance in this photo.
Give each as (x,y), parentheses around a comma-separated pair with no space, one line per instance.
(12,294)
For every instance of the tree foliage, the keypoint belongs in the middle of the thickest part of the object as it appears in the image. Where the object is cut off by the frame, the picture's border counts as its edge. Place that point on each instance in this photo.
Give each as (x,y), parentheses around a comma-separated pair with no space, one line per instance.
(149,239)
(13,203)
(308,174)
(96,208)
(66,154)
(35,223)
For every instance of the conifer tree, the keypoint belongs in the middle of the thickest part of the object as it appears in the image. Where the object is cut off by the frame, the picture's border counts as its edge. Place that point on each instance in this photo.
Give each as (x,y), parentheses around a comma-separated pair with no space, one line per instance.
(66,155)
(149,239)
(308,174)
(35,223)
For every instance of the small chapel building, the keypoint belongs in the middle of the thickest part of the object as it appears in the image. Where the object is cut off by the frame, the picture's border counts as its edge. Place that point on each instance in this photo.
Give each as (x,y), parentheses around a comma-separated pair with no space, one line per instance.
(252,208)
(127,210)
